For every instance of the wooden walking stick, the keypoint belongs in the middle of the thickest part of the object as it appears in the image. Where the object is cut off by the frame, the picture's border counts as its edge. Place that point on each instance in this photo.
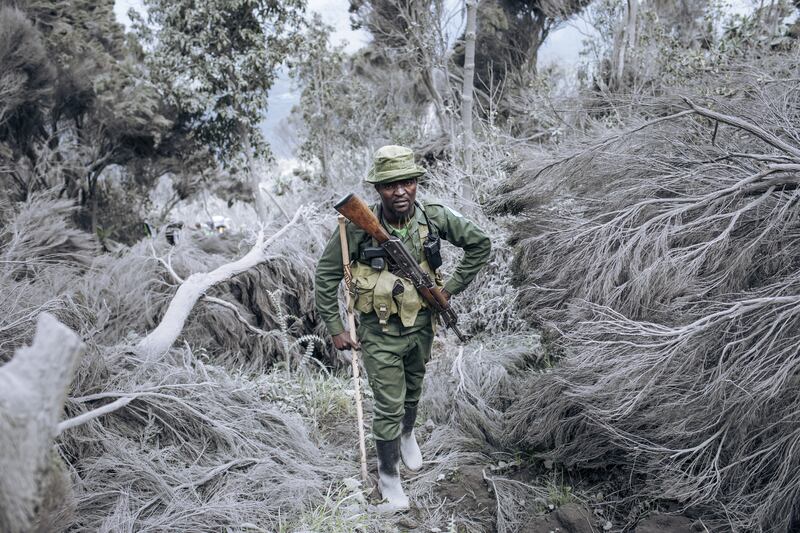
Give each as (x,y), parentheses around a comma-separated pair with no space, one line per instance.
(351,323)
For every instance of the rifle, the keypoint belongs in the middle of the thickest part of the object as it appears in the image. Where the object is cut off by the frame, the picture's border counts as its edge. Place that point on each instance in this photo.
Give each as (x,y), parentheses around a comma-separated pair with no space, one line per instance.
(359,213)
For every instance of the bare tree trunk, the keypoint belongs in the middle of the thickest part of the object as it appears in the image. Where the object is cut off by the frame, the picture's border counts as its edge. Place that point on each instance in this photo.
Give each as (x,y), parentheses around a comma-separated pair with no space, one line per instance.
(258,198)
(322,125)
(438,102)
(627,41)
(161,339)
(33,387)
(539,29)
(416,16)
(259,189)
(633,10)
(451,122)
(467,94)
(93,207)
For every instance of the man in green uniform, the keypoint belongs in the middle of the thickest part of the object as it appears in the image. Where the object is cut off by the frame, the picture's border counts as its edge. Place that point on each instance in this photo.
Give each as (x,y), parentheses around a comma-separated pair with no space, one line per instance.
(396,326)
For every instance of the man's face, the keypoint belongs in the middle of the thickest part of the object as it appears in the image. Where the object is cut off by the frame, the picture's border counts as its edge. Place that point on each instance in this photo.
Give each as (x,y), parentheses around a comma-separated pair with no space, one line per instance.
(398,197)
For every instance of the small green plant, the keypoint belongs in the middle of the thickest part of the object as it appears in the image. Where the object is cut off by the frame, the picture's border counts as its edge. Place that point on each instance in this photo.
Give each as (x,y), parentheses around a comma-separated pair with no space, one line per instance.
(559,493)
(329,400)
(340,512)
(552,351)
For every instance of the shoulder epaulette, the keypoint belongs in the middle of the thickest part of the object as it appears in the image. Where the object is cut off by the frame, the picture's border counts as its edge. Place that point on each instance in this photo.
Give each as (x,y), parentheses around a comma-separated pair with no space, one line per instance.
(427,204)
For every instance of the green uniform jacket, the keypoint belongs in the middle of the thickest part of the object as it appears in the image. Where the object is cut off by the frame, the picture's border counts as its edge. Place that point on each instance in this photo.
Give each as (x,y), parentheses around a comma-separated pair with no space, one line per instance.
(450,225)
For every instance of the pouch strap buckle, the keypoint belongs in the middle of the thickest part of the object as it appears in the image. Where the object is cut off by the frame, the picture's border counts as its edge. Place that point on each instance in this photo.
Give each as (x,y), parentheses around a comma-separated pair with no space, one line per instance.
(383,316)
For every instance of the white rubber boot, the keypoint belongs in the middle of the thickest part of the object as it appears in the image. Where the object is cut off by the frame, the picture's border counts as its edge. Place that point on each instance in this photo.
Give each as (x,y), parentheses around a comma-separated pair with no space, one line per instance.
(389,476)
(409,449)
(410,452)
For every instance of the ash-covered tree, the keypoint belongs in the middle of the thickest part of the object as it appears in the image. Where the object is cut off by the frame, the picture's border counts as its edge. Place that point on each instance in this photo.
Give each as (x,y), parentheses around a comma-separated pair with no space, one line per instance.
(215,61)
(664,44)
(509,35)
(320,70)
(415,35)
(76,102)
(350,104)
(26,86)
(345,104)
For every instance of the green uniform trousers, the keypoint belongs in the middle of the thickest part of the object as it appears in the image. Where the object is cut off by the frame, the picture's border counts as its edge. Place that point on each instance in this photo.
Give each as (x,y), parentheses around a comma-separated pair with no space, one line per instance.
(395,370)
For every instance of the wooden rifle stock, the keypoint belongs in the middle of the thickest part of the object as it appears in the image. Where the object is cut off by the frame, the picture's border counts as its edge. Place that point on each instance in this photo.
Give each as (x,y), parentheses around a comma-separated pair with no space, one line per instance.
(436,295)
(359,213)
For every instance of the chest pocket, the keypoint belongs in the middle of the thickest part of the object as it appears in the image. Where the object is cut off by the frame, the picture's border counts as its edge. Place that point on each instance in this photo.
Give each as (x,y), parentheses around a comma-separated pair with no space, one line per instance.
(373,291)
(387,294)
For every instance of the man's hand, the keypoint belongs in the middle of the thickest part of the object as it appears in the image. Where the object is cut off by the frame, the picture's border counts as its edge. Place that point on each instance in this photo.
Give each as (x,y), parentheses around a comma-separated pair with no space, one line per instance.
(343,341)
(446,295)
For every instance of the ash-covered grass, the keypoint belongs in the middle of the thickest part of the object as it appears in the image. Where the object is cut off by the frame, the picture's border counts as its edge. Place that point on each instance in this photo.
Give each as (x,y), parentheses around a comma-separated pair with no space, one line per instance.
(196,449)
(201,446)
(231,431)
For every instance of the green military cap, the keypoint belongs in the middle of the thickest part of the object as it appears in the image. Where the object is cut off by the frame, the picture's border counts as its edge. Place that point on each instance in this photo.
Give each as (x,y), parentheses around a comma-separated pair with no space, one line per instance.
(393,163)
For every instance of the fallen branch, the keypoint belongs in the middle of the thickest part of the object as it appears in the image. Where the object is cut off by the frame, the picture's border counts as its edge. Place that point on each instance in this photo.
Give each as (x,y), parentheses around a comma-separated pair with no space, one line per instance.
(282,319)
(610,139)
(158,341)
(214,300)
(94,413)
(235,310)
(737,122)
(676,294)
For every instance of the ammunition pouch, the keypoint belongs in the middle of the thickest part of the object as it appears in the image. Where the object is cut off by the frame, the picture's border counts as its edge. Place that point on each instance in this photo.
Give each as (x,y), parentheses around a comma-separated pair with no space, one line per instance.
(432,247)
(385,294)
(374,256)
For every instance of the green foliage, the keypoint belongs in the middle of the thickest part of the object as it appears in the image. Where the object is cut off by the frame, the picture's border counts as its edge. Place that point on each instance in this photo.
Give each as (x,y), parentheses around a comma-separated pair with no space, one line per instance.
(325,400)
(81,114)
(87,108)
(26,77)
(348,103)
(338,513)
(215,61)
(558,492)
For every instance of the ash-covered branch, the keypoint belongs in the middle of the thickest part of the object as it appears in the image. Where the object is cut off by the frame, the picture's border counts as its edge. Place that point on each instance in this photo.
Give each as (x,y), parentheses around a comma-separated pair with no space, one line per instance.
(195,286)
(33,388)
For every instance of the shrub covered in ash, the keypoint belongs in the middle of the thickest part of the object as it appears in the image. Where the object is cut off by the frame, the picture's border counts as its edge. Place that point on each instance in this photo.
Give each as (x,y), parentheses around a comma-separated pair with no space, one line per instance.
(467,390)
(487,306)
(666,257)
(276,297)
(49,265)
(42,259)
(194,444)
